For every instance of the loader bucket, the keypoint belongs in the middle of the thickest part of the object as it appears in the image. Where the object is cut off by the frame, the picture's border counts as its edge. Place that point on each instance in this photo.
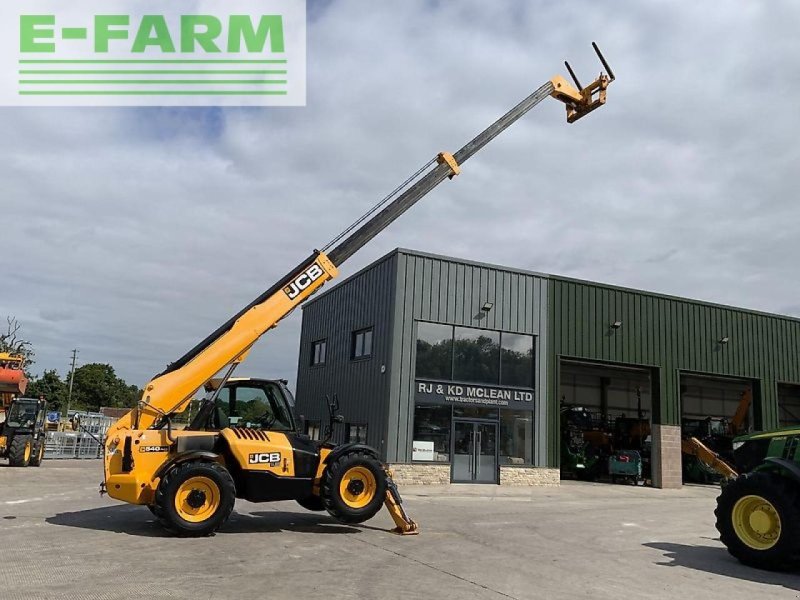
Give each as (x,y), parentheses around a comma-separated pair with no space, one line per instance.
(12,381)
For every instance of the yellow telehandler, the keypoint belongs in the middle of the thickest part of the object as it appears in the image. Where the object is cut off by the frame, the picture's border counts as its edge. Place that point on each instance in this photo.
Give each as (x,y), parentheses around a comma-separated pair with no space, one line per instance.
(190,478)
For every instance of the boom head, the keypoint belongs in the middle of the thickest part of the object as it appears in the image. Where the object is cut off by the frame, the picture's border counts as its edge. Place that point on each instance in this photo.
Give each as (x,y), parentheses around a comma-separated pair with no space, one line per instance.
(579,100)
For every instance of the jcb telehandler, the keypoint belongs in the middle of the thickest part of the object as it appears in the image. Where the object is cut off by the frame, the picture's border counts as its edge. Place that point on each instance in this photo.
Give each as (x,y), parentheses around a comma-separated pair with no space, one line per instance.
(190,478)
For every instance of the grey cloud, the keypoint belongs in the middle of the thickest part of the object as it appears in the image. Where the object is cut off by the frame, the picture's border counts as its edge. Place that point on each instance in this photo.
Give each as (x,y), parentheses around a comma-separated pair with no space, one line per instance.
(56,315)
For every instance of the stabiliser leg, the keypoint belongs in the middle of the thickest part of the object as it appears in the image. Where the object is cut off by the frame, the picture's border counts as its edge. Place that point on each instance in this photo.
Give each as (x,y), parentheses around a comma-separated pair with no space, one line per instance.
(394,504)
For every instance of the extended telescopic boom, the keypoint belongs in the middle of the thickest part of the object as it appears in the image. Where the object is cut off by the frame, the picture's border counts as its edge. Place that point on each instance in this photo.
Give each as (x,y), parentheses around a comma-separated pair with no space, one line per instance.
(171,390)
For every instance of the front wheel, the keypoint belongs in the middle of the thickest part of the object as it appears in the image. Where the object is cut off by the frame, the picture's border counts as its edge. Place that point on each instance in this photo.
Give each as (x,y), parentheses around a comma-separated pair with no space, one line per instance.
(19,455)
(194,499)
(758,518)
(354,487)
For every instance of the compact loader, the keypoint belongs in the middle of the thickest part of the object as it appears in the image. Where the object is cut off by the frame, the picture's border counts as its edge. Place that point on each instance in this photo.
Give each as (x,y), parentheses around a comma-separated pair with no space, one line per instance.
(22,434)
(190,478)
(21,419)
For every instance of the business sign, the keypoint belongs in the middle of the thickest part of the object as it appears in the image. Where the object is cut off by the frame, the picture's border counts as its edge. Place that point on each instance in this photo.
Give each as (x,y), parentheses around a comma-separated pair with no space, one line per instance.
(429,392)
(421,450)
(152,52)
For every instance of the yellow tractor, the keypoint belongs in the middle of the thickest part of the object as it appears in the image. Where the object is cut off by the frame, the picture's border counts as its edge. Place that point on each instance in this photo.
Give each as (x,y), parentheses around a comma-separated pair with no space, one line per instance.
(190,478)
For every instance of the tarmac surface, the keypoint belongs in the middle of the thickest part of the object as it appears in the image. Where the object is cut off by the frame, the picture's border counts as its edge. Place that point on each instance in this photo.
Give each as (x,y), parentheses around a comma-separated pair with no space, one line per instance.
(60,540)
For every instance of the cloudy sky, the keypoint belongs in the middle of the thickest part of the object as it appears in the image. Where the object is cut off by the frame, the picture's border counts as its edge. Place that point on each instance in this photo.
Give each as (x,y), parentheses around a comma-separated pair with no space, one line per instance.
(130,234)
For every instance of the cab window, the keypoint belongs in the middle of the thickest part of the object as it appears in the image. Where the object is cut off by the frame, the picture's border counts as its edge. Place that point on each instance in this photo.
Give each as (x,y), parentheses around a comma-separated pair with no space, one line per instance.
(261,407)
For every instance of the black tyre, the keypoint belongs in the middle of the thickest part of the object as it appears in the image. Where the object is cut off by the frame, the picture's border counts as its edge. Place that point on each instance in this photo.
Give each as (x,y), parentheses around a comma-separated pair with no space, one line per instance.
(313,503)
(194,499)
(354,487)
(21,450)
(38,453)
(758,519)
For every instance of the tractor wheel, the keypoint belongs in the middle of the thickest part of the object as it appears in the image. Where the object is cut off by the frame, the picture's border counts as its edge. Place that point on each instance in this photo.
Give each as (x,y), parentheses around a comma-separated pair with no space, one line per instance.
(21,450)
(354,487)
(194,499)
(313,503)
(38,454)
(758,518)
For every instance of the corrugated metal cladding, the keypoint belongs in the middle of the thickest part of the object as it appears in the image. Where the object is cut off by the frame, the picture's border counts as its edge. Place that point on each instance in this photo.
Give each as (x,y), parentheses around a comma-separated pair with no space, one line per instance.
(363,301)
(674,335)
(451,291)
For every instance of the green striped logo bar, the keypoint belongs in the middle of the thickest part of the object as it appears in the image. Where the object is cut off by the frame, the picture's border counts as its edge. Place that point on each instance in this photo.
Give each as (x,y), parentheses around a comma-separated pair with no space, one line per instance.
(153,53)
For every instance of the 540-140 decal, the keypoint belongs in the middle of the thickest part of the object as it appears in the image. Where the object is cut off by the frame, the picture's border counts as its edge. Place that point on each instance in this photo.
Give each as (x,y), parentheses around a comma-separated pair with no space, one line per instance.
(153,448)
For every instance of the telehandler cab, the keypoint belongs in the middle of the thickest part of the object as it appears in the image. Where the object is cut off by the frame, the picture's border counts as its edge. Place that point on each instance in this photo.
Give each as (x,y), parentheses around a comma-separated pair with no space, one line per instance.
(190,478)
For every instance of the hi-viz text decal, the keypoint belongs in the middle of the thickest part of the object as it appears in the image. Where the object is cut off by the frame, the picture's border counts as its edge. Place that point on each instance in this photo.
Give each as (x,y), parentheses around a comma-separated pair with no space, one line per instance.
(459,393)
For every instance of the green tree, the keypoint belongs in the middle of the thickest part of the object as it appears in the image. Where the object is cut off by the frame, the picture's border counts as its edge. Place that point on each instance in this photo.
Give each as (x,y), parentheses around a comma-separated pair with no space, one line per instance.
(97,385)
(51,387)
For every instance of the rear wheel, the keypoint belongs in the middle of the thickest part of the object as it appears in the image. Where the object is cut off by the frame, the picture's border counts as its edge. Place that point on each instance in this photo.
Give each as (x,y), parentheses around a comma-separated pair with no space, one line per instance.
(758,518)
(38,453)
(19,454)
(194,499)
(354,487)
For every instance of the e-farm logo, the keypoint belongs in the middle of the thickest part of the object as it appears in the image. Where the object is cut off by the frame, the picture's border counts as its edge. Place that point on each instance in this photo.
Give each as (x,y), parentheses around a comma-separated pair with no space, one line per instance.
(153,52)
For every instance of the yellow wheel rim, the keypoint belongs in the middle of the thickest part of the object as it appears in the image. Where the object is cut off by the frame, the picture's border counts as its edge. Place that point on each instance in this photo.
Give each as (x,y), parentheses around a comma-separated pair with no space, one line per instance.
(358,487)
(197,499)
(756,522)
(27,451)
(41,451)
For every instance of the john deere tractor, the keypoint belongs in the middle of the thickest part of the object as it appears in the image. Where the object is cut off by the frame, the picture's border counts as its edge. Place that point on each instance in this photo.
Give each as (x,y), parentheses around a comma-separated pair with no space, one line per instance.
(758,512)
(22,432)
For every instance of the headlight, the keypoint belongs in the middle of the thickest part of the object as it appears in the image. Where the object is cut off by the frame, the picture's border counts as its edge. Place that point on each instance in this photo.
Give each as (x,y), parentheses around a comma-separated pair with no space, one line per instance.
(737,445)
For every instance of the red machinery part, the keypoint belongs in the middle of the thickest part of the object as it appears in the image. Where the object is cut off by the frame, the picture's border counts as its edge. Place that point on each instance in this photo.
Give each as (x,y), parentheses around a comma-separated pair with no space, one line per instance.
(13,381)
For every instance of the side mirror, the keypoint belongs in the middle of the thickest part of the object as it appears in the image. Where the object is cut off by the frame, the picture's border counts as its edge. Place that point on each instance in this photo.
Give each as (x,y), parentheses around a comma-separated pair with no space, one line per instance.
(339,419)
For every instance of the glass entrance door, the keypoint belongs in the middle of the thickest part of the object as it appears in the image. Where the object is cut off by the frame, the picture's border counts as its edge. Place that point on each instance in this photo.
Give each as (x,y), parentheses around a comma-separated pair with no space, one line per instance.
(474,452)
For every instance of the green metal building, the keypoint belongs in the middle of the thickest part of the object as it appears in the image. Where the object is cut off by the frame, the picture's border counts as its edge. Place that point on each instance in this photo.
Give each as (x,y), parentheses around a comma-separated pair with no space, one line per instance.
(458,371)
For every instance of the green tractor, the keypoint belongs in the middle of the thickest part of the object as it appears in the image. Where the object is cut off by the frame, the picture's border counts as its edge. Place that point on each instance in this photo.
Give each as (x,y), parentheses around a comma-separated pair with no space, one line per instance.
(22,433)
(758,512)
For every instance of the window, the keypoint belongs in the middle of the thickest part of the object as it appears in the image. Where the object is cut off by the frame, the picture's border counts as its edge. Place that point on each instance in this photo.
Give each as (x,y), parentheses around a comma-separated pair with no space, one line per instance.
(313,430)
(516,437)
(470,355)
(258,406)
(356,433)
(476,355)
(516,360)
(318,351)
(432,424)
(261,407)
(362,344)
(434,351)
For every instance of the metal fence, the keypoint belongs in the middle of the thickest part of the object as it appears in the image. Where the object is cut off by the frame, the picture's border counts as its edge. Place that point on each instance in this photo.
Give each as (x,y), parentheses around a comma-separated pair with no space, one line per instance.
(86,442)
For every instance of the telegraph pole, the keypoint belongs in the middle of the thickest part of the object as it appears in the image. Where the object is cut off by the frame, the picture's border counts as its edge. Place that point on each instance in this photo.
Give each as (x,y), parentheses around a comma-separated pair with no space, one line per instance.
(71,379)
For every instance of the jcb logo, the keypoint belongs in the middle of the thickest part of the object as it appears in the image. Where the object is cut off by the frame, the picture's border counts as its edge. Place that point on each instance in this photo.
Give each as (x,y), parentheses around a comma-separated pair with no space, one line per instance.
(261,458)
(302,281)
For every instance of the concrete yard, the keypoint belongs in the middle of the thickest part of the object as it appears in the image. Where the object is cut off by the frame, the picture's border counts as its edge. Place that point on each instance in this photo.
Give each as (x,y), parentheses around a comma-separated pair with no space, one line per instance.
(60,539)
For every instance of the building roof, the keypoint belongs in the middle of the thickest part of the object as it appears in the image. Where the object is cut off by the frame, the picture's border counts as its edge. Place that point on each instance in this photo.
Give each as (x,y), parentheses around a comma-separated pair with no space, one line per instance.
(550,276)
